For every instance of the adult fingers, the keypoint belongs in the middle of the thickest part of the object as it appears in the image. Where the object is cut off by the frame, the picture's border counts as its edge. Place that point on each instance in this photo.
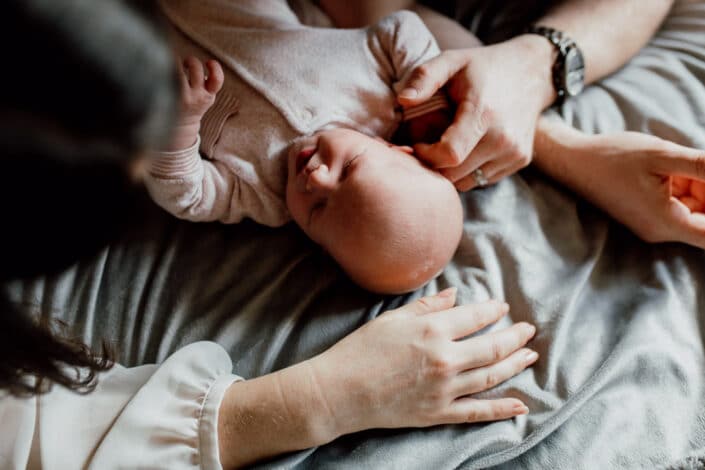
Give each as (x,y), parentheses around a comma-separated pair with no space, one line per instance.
(194,70)
(215,79)
(689,227)
(680,186)
(697,189)
(682,161)
(461,321)
(481,154)
(493,171)
(693,204)
(471,410)
(441,301)
(485,378)
(469,126)
(495,175)
(491,348)
(429,77)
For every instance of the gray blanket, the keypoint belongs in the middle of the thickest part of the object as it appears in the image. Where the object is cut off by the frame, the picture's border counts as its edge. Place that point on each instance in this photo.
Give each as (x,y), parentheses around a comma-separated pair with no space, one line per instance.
(621,330)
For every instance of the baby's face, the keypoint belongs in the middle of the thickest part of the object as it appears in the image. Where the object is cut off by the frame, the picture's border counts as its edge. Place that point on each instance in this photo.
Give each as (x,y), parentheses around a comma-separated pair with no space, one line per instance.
(390,222)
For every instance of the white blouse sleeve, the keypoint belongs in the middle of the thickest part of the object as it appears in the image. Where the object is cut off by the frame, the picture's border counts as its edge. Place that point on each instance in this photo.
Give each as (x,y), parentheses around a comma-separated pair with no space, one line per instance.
(152,416)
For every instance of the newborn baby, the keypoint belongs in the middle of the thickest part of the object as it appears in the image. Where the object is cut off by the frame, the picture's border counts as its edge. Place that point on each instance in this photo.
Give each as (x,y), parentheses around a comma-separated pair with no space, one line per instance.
(389,221)
(289,136)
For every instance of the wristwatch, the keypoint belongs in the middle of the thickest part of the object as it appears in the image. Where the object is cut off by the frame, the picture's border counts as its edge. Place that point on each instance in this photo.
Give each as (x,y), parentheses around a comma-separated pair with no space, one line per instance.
(569,68)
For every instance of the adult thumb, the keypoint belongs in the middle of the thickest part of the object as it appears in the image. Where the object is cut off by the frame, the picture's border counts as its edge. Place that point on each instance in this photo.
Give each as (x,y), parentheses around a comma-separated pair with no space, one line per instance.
(426,79)
(435,303)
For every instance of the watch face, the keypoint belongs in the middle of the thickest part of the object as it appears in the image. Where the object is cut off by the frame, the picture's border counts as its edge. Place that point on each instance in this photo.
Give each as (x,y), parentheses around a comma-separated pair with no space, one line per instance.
(574,72)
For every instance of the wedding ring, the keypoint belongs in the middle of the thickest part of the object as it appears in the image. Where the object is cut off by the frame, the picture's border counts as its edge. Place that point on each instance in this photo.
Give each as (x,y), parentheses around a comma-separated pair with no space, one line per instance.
(480,178)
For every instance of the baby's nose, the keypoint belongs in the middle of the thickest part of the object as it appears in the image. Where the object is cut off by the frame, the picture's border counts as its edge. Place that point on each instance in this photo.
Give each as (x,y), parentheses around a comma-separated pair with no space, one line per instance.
(320,180)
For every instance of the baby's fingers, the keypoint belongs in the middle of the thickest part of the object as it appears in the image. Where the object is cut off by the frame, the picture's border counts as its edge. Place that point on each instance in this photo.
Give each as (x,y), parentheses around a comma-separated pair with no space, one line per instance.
(215,79)
(194,72)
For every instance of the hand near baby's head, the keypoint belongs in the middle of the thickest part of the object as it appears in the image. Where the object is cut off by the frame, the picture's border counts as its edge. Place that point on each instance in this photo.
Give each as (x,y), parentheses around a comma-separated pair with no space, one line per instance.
(690,192)
(199,83)
(390,222)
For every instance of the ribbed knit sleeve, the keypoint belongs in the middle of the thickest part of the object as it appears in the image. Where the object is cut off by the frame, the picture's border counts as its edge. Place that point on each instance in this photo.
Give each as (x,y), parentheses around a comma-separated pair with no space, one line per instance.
(145,417)
(193,187)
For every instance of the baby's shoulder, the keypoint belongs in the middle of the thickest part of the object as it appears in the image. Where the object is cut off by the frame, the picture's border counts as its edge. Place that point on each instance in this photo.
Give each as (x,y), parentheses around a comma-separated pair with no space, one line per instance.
(402,19)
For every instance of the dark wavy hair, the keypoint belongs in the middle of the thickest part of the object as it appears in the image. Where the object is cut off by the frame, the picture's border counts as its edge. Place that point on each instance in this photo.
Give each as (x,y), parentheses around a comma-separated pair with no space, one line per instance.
(87,86)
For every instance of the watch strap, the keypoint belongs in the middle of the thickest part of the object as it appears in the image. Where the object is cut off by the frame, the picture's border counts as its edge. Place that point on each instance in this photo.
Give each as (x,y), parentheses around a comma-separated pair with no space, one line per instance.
(563,45)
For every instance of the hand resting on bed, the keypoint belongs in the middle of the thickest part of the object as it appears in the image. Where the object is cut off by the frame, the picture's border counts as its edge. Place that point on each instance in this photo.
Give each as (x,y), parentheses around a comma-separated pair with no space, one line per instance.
(409,367)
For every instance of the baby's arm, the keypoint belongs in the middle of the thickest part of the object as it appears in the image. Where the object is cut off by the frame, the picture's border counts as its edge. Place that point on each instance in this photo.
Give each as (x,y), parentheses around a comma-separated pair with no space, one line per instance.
(179,179)
(198,92)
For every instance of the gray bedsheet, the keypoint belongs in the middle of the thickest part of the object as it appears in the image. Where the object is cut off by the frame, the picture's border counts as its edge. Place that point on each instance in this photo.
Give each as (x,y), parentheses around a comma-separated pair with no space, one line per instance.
(621,324)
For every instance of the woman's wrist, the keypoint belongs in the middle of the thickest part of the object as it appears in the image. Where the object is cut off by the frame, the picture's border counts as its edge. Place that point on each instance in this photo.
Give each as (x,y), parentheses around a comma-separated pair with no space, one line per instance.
(273,414)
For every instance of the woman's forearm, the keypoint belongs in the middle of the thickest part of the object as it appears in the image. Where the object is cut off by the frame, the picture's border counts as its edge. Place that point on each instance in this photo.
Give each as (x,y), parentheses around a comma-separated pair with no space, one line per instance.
(273,414)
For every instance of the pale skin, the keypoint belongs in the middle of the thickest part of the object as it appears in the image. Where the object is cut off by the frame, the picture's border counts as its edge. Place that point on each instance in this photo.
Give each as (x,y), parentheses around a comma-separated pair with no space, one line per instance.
(489,84)
(416,348)
(654,187)
(389,221)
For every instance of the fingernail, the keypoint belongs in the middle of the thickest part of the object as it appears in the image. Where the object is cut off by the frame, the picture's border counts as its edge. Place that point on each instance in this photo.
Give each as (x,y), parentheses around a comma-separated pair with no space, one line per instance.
(409,93)
(505,307)
(531,329)
(449,292)
(531,356)
(521,409)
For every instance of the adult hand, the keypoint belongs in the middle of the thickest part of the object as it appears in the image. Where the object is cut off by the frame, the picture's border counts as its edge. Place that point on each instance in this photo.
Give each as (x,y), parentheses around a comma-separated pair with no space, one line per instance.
(499,91)
(650,185)
(410,368)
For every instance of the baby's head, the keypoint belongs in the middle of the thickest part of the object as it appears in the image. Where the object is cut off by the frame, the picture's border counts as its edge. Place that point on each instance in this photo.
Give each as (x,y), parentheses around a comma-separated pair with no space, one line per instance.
(391,223)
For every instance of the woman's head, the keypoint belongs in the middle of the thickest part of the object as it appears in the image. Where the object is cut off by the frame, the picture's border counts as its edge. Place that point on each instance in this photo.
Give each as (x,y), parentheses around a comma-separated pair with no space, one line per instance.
(390,222)
(87,86)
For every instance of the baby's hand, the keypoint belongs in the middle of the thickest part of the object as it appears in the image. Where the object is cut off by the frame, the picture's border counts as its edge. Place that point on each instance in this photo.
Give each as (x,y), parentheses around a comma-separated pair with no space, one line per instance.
(199,85)
(690,192)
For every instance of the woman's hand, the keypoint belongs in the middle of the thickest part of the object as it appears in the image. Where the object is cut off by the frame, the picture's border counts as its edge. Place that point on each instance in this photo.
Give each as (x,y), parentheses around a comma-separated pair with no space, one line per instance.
(410,368)
(652,186)
(499,91)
